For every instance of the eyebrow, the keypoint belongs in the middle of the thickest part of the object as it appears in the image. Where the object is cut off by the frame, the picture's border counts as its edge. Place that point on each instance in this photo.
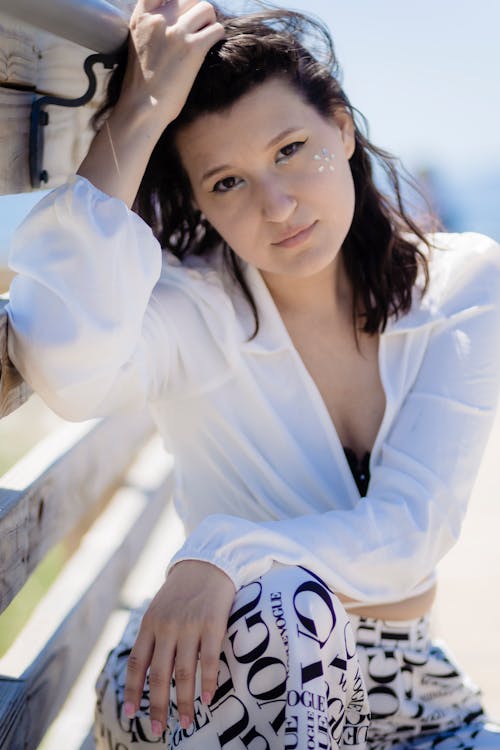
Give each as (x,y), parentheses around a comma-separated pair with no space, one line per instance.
(277,138)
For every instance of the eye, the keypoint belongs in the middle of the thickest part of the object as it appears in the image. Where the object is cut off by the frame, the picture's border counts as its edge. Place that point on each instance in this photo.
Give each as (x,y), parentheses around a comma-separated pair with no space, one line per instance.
(289,150)
(227,185)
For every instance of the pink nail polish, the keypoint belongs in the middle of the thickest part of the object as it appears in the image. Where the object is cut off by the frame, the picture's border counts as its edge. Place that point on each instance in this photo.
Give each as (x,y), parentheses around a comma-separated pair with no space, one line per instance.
(185,721)
(206,698)
(156,728)
(129,710)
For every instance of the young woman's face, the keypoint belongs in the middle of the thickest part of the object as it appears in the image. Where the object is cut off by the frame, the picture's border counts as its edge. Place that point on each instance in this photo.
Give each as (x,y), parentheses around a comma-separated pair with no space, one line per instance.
(272,176)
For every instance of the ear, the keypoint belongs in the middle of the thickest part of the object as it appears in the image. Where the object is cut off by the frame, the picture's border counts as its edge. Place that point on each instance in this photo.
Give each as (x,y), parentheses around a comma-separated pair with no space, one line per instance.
(345,124)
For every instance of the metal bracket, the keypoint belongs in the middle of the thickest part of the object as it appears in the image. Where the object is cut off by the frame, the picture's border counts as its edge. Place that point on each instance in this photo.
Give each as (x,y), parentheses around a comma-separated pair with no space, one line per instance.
(40,118)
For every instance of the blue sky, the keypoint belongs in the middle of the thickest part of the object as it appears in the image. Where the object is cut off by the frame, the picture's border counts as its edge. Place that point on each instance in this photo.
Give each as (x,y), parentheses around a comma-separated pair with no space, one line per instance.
(426,75)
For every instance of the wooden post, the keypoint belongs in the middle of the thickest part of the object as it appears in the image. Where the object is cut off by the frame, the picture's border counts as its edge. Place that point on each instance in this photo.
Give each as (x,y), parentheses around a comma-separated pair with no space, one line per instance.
(34,63)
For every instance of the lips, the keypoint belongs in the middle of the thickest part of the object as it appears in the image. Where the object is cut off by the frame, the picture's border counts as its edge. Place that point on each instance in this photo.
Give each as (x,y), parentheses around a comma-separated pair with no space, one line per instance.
(295,236)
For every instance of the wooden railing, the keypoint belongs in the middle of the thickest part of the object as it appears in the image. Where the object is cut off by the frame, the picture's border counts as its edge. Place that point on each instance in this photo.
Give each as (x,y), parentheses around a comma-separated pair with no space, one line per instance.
(36,63)
(107,481)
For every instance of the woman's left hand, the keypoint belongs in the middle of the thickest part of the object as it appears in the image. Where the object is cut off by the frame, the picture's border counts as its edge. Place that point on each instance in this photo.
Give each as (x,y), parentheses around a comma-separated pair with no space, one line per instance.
(187,617)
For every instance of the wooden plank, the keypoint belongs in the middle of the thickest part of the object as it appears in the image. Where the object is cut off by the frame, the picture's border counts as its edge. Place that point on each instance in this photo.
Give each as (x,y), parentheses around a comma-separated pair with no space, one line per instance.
(6,276)
(42,62)
(13,703)
(96,24)
(66,137)
(56,485)
(30,57)
(72,615)
(19,54)
(15,108)
(72,728)
(61,72)
(13,390)
(34,62)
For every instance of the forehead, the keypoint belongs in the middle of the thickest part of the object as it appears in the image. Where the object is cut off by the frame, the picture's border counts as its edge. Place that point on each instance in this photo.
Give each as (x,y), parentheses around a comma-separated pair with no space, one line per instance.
(250,123)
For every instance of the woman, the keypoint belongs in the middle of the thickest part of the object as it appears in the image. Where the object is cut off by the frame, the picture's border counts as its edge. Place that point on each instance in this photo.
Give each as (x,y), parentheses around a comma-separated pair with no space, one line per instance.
(300,323)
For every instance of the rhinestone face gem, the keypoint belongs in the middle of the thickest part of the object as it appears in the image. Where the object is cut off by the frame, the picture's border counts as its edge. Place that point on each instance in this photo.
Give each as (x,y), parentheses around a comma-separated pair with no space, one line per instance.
(326,157)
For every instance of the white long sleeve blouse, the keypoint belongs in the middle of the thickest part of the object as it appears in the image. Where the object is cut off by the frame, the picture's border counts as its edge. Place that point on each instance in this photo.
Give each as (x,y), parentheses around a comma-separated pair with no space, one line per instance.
(100,321)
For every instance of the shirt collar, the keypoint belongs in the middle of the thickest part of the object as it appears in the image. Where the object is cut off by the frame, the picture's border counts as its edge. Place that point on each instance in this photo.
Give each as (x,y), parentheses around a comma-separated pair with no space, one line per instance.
(273,335)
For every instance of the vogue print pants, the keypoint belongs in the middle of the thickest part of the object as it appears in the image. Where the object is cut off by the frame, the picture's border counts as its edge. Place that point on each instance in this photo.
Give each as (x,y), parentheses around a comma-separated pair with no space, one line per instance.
(297,672)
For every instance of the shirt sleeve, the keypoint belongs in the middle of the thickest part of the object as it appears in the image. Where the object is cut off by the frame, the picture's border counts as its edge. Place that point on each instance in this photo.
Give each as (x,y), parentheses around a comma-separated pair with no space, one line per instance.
(98,319)
(384,547)
(86,269)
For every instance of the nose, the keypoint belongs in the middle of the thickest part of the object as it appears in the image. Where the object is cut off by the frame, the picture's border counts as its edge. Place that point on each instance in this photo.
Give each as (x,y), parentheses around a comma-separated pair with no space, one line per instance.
(278,202)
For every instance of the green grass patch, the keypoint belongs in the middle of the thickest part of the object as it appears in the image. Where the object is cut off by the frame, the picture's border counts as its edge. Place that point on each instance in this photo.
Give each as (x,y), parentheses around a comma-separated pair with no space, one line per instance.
(21,607)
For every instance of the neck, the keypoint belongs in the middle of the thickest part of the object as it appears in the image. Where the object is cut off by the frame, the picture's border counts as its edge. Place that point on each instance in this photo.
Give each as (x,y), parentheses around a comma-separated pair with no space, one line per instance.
(323,295)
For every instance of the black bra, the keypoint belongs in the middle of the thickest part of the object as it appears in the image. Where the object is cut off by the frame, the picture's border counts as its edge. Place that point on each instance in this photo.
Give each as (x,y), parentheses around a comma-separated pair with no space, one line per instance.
(360,469)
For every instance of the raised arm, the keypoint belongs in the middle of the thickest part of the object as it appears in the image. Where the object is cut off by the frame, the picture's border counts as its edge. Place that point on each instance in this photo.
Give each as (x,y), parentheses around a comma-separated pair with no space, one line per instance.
(88,326)
(167,45)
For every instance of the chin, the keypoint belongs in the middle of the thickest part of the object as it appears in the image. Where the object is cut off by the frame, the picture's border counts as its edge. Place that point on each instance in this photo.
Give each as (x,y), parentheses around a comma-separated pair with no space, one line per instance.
(309,263)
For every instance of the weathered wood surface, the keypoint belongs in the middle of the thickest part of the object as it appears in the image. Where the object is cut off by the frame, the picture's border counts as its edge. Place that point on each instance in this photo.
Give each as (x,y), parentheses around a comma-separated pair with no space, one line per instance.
(72,728)
(30,56)
(54,646)
(97,24)
(15,109)
(56,485)
(13,703)
(19,53)
(57,70)
(13,390)
(13,699)
(33,63)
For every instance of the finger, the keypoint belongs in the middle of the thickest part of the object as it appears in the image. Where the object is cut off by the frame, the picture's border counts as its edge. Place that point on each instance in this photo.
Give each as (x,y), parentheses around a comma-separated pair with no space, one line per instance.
(200,26)
(160,674)
(197,17)
(153,6)
(211,646)
(137,666)
(174,9)
(148,6)
(210,35)
(186,661)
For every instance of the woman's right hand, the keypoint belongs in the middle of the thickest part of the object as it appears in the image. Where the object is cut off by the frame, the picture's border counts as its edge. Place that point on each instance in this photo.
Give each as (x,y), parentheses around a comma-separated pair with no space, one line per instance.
(167,45)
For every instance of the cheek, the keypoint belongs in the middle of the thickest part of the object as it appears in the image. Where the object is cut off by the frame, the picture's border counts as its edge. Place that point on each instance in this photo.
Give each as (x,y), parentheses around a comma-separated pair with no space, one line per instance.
(334,180)
(230,221)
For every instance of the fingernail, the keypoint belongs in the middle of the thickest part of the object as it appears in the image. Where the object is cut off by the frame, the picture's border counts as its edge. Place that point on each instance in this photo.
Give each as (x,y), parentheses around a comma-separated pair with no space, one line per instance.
(185,721)
(129,710)
(156,728)
(206,698)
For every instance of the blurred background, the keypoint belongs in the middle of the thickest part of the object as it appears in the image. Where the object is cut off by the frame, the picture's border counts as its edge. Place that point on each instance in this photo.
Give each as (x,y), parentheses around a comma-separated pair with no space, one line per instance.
(426,76)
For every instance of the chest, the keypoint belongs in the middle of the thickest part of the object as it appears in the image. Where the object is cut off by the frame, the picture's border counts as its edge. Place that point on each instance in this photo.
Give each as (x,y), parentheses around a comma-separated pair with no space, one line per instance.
(348,381)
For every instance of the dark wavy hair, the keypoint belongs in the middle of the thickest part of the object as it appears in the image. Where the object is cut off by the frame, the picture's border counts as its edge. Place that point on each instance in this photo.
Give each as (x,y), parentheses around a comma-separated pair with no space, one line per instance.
(381,259)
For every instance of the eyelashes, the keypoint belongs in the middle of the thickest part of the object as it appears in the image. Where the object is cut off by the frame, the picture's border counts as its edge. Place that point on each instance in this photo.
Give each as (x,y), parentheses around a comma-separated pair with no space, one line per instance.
(227,185)
(232,183)
(292,149)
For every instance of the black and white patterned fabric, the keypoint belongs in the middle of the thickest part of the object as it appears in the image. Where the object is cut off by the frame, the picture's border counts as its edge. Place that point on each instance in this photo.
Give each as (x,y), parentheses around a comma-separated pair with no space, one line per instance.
(299,673)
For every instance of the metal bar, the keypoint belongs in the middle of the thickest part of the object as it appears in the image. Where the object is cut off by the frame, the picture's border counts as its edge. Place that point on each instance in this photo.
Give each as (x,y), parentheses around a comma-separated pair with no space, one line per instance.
(95,24)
